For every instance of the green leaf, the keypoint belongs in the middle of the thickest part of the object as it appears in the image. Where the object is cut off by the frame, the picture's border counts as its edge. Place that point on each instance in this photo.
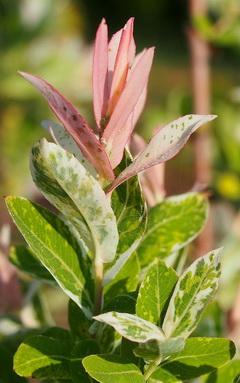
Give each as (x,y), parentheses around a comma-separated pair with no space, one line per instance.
(50,241)
(194,290)
(109,369)
(122,277)
(172,224)
(123,303)
(162,376)
(155,292)
(45,356)
(130,211)
(80,350)
(199,357)
(25,260)
(131,327)
(79,324)
(73,191)
(152,350)
(230,372)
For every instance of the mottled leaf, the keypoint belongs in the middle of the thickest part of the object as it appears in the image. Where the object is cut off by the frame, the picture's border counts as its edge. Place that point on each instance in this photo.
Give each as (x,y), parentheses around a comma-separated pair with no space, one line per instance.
(24,259)
(71,189)
(131,326)
(194,290)
(172,224)
(155,292)
(75,124)
(164,145)
(109,369)
(50,241)
(45,356)
(199,357)
(65,140)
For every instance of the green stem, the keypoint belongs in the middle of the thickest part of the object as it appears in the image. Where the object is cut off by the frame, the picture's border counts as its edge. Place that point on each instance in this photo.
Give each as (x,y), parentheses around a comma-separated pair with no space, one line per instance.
(152,367)
(98,265)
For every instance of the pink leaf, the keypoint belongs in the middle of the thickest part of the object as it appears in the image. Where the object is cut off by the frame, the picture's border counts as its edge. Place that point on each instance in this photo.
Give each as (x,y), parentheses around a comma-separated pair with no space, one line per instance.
(75,124)
(100,69)
(165,144)
(116,135)
(123,60)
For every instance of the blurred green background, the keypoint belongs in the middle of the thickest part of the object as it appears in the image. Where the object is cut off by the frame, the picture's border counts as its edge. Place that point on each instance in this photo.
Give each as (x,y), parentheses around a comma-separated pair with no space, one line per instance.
(53,39)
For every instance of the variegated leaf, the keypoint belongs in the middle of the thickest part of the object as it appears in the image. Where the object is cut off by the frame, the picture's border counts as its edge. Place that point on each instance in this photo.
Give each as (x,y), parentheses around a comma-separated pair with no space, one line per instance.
(165,144)
(152,350)
(131,326)
(155,292)
(193,291)
(172,224)
(65,140)
(75,125)
(72,190)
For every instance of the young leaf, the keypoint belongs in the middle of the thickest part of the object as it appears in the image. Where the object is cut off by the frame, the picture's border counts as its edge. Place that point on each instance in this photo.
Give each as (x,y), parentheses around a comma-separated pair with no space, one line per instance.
(45,356)
(199,357)
(131,326)
(172,224)
(109,369)
(50,240)
(25,260)
(130,211)
(72,190)
(230,372)
(193,291)
(155,292)
(75,124)
(165,144)
(122,277)
(80,350)
(65,140)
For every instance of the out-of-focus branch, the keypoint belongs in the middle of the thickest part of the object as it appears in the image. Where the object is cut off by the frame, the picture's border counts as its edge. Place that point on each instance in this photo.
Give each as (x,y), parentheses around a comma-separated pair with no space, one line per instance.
(200,58)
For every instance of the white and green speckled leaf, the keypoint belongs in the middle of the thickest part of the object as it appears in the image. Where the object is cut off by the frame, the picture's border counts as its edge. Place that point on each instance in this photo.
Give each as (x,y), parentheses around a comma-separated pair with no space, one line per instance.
(164,145)
(71,189)
(172,224)
(45,356)
(230,372)
(130,210)
(193,291)
(131,326)
(200,356)
(155,292)
(50,240)
(63,138)
(112,369)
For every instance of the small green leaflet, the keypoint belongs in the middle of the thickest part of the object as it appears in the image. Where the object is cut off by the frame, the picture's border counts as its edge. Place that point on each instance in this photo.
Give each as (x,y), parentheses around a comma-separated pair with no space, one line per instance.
(193,291)
(111,369)
(199,357)
(63,138)
(130,211)
(230,372)
(155,292)
(50,240)
(71,189)
(45,356)
(25,260)
(172,224)
(122,277)
(131,326)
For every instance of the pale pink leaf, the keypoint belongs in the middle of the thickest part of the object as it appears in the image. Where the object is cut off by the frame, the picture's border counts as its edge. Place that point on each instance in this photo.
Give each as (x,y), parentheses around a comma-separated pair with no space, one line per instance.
(115,134)
(112,54)
(75,124)
(122,63)
(165,144)
(100,69)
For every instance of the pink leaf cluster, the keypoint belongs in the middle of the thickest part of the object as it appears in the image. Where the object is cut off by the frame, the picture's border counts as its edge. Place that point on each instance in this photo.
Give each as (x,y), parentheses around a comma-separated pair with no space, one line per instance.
(120,79)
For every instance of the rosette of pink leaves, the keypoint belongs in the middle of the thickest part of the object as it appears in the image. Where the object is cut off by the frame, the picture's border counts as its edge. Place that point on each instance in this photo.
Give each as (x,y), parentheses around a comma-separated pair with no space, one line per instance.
(120,79)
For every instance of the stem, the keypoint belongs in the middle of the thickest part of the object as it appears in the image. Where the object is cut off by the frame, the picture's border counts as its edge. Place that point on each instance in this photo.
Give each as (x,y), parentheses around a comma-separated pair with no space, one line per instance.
(98,265)
(152,367)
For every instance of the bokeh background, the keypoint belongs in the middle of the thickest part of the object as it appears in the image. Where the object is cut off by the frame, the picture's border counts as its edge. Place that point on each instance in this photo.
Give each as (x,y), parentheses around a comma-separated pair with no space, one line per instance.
(196,69)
